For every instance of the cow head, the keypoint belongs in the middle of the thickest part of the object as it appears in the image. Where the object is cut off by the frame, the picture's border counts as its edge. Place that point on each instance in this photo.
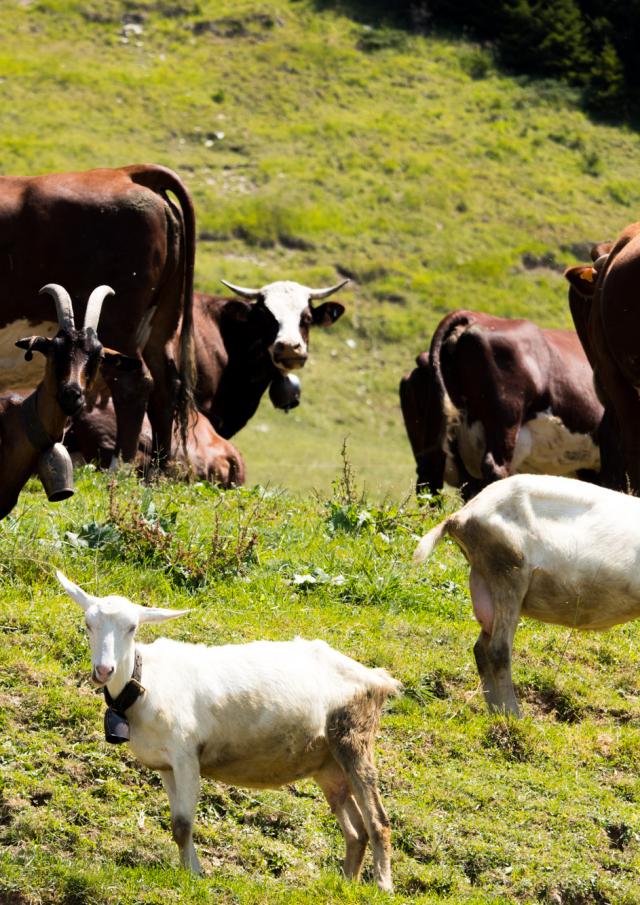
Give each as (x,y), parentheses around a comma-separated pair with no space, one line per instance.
(73,356)
(289,313)
(583,279)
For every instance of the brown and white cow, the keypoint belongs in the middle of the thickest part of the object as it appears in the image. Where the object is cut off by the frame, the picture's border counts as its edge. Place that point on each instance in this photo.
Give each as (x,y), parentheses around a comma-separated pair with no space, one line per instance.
(604,300)
(115,226)
(244,345)
(496,396)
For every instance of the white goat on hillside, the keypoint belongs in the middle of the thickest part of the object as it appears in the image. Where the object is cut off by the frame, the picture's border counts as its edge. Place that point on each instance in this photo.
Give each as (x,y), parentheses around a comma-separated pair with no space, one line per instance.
(261,715)
(551,548)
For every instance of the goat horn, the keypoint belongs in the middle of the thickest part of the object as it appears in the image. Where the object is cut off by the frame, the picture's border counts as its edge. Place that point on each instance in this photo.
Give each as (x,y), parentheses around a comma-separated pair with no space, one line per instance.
(94,306)
(324,293)
(600,262)
(64,308)
(242,290)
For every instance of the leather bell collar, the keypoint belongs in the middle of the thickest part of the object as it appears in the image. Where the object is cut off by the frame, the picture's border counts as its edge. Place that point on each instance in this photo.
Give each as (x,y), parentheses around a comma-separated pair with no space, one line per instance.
(116,724)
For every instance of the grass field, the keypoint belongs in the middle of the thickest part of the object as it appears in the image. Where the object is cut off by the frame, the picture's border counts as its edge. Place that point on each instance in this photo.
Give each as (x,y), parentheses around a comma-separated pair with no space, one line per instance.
(431,179)
(483,810)
(316,146)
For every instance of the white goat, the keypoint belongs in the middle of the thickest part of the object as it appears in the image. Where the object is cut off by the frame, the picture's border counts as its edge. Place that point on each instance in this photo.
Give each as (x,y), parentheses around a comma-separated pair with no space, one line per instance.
(261,715)
(551,548)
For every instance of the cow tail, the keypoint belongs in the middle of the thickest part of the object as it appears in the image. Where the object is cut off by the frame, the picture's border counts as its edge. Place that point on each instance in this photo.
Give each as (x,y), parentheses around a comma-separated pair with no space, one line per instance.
(446,327)
(162,180)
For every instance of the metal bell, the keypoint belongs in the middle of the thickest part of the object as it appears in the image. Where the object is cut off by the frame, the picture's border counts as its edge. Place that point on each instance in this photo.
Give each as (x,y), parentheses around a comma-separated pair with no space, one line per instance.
(284,391)
(55,470)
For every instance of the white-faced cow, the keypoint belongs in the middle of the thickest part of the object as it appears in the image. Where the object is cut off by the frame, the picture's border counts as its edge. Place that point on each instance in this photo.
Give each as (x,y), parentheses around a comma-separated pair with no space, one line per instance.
(115,226)
(244,345)
(496,396)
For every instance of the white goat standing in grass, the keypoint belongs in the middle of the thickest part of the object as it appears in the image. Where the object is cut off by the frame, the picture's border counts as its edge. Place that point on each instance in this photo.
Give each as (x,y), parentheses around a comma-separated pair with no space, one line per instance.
(260,715)
(554,549)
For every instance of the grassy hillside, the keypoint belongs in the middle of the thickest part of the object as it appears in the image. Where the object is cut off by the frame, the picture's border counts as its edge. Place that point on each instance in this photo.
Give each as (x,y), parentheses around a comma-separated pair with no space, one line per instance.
(483,810)
(315,147)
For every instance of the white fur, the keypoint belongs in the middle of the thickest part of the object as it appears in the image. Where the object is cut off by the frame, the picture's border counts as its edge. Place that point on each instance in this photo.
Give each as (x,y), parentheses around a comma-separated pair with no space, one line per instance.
(249,714)
(287,300)
(544,446)
(555,549)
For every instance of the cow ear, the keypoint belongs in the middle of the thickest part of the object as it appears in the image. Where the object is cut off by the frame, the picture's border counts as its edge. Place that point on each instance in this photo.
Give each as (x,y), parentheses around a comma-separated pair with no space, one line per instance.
(327,313)
(34,344)
(119,361)
(602,248)
(583,278)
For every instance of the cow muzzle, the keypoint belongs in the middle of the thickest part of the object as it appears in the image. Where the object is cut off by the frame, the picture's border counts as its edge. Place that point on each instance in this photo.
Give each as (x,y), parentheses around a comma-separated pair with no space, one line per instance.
(288,357)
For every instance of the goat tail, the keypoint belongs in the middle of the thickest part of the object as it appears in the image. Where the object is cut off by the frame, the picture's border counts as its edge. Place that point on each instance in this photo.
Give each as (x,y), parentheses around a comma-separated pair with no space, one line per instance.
(430,541)
(386,685)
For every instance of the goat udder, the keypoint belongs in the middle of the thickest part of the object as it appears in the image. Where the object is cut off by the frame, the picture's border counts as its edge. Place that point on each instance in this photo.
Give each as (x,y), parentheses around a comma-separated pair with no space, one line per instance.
(481,599)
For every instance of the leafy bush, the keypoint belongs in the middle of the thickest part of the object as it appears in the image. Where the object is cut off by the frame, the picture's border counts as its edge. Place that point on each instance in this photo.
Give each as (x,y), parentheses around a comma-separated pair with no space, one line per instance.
(136,531)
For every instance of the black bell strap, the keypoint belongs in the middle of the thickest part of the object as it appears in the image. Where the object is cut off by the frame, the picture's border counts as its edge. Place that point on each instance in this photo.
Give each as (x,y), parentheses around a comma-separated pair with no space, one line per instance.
(116,725)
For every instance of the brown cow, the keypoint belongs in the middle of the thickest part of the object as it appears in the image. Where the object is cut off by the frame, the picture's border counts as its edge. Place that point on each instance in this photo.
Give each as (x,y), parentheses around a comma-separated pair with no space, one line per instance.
(496,396)
(115,226)
(603,297)
(207,456)
(242,347)
(245,345)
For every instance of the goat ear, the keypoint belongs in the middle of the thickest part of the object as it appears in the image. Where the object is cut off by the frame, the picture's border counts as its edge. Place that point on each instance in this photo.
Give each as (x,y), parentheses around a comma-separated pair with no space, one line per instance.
(158,614)
(74,591)
(34,344)
(327,313)
(121,362)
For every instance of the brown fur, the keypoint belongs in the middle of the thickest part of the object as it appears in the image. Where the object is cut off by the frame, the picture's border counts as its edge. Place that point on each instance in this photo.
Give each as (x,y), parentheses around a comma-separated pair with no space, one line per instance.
(69,365)
(120,227)
(604,307)
(497,373)
(206,457)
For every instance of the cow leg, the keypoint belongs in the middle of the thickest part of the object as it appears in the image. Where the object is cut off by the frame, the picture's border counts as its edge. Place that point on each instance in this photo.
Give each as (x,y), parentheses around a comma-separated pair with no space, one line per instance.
(130,392)
(611,457)
(627,411)
(350,735)
(430,467)
(162,404)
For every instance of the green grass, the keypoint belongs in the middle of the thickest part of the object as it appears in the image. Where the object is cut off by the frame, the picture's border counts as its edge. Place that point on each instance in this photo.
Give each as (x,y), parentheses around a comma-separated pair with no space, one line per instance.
(435,182)
(483,810)
(315,147)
